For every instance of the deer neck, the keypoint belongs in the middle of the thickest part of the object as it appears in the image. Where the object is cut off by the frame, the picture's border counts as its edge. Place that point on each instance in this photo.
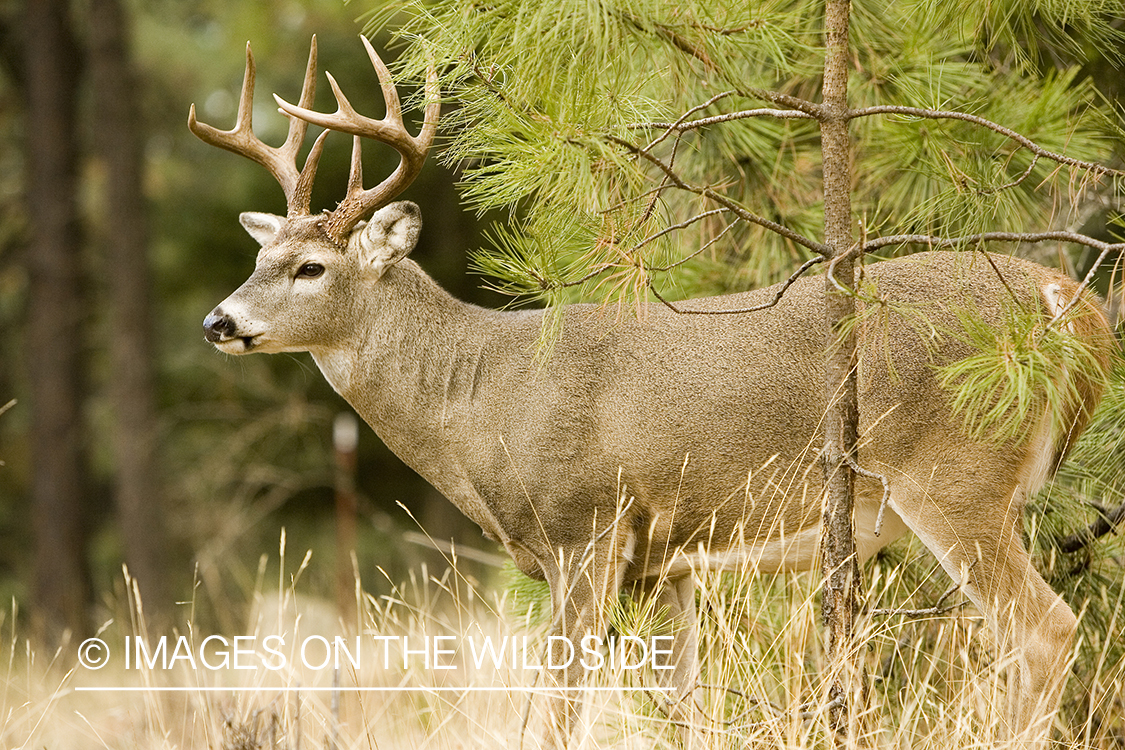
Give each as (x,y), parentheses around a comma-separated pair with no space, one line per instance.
(395,368)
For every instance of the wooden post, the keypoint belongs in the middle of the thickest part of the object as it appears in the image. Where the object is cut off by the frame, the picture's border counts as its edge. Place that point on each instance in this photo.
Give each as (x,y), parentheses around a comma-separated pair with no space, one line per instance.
(345,436)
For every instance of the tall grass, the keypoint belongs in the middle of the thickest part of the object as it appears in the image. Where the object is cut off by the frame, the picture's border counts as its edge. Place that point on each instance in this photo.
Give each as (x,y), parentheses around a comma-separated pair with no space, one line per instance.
(933,678)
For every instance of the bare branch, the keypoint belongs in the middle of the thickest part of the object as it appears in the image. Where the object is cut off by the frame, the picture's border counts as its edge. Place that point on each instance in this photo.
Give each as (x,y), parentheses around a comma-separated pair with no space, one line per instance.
(810,710)
(831,273)
(1030,145)
(701,250)
(601,268)
(886,491)
(751,699)
(1106,249)
(682,225)
(722,200)
(670,128)
(972,239)
(817,111)
(939,608)
(1004,281)
(934,611)
(597,271)
(681,125)
(1024,237)
(739,310)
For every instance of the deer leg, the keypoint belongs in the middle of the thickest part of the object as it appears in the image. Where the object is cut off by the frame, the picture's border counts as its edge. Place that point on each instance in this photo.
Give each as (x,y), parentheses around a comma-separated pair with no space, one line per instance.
(1034,627)
(675,599)
(1037,628)
(583,584)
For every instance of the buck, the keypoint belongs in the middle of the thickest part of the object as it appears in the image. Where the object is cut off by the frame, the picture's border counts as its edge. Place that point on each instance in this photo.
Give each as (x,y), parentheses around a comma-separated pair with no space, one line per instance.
(644,447)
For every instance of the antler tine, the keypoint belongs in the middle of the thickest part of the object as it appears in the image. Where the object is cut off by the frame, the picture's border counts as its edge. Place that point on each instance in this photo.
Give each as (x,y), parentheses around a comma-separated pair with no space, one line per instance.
(302,195)
(280,162)
(390,130)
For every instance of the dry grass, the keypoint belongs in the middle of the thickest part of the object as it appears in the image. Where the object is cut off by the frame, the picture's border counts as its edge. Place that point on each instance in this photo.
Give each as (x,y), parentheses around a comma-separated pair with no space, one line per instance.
(934,683)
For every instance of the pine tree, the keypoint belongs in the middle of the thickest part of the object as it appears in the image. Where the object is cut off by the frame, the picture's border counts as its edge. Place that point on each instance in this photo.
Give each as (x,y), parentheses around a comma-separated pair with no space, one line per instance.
(648,150)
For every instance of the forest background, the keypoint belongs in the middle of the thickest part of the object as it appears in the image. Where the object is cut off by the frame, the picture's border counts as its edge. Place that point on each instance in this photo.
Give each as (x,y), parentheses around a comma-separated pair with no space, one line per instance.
(229,451)
(157,451)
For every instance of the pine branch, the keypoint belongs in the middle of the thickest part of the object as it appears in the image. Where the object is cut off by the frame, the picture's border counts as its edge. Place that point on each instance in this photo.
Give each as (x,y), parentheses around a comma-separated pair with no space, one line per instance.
(1107,523)
(681,126)
(675,127)
(1022,237)
(707,192)
(740,310)
(545,283)
(1014,183)
(682,225)
(1030,145)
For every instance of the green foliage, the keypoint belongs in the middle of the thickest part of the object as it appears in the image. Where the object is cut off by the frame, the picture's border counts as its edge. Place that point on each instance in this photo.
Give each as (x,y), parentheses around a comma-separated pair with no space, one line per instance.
(528,600)
(1022,369)
(554,100)
(1098,459)
(1027,30)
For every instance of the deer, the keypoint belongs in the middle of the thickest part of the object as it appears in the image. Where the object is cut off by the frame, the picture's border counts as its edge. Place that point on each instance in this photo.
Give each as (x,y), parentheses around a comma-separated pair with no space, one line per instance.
(644,447)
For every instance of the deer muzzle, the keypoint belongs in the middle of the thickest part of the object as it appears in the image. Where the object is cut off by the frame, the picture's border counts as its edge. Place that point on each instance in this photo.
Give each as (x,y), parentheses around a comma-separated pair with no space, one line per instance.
(218,327)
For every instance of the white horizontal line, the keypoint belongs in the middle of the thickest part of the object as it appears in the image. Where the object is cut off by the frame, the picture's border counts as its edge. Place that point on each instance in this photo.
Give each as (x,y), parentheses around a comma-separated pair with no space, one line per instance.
(467,689)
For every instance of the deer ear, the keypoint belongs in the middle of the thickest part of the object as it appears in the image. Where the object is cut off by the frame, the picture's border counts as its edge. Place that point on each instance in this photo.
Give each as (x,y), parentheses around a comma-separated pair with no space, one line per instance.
(389,236)
(262,227)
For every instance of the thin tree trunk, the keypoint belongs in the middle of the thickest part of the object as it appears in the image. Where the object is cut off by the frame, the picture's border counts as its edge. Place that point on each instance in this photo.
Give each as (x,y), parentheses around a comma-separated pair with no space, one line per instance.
(124,241)
(54,343)
(840,566)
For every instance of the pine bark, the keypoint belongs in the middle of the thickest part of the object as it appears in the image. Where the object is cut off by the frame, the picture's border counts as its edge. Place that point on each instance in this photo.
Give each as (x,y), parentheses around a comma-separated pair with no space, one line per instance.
(839,601)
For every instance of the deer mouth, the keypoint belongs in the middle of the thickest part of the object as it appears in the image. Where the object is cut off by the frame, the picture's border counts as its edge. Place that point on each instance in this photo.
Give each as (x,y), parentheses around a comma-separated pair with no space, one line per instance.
(237,344)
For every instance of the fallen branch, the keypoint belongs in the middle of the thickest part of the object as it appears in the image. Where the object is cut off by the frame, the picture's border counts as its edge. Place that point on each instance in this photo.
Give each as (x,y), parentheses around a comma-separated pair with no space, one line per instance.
(939,608)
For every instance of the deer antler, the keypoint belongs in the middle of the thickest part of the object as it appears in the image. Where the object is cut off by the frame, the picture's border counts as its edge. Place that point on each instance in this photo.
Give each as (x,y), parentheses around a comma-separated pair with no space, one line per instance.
(281,162)
(390,130)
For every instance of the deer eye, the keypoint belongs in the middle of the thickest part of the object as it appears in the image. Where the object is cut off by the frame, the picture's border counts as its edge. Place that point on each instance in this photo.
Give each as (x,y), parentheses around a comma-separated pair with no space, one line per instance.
(310,271)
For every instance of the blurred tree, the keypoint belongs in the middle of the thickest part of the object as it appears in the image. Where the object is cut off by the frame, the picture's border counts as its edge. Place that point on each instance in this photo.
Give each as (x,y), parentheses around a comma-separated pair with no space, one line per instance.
(122,235)
(202,457)
(55,314)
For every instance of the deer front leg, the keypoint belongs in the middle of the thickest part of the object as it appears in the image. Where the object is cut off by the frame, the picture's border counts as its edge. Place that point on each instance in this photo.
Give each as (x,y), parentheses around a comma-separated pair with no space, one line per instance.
(584,584)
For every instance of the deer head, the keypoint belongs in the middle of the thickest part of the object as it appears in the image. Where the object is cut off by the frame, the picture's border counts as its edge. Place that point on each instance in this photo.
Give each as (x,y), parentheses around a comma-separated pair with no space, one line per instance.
(308,262)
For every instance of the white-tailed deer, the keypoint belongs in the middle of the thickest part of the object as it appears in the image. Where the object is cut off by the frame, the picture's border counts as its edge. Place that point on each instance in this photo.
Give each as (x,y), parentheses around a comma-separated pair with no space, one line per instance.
(645,446)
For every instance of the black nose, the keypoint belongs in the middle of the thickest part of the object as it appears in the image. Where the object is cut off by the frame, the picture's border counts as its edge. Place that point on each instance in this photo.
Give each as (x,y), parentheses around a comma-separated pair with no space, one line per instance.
(217,327)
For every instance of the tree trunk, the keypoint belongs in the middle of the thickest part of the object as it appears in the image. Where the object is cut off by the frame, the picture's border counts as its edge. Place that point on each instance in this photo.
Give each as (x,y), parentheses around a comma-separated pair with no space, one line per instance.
(838,558)
(123,236)
(54,344)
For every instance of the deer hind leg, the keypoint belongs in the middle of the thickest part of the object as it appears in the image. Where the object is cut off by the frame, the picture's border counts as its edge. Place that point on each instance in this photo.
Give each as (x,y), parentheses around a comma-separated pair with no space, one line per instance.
(679,677)
(978,543)
(584,583)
